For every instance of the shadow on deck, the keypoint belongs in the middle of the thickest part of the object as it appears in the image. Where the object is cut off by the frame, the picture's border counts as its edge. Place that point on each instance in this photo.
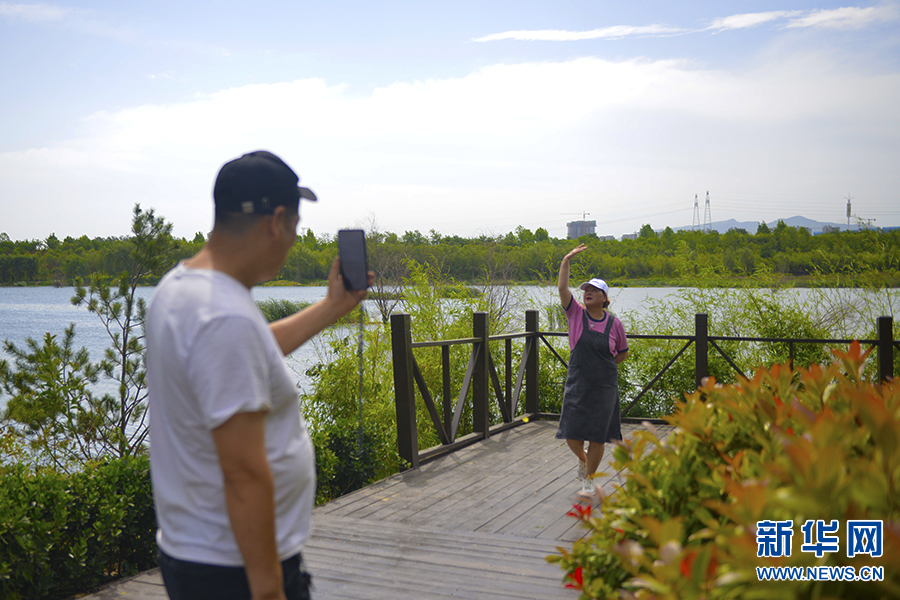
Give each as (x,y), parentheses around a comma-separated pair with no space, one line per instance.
(477,523)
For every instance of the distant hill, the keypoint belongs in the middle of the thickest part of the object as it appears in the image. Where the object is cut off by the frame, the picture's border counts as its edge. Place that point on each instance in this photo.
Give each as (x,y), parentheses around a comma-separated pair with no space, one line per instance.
(751,226)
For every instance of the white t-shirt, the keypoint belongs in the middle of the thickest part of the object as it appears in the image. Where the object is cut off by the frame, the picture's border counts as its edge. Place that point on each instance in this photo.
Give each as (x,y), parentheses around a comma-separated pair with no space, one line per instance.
(211,355)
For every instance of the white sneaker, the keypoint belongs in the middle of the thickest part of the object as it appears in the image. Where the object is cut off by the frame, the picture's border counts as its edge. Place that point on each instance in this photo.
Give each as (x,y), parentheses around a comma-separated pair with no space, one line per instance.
(587,485)
(586,494)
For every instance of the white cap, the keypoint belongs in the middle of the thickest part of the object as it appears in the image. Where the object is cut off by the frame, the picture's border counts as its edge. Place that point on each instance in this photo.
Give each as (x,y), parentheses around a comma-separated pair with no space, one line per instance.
(597,283)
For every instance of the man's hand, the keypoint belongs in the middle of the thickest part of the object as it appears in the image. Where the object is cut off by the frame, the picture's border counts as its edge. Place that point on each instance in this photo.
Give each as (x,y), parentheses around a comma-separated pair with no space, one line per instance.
(344,300)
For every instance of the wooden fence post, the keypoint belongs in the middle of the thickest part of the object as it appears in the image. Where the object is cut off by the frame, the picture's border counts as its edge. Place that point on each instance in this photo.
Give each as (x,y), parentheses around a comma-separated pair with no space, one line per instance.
(481,419)
(885,327)
(404,391)
(701,347)
(531,366)
(447,399)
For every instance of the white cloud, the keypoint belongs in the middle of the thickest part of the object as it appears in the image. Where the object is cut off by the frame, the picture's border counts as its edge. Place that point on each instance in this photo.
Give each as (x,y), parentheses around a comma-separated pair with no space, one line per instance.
(750,19)
(845,18)
(557,35)
(33,12)
(840,18)
(507,144)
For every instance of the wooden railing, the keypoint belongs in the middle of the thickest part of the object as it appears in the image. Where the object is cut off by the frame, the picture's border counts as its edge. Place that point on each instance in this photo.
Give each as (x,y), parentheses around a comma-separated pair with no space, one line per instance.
(482,379)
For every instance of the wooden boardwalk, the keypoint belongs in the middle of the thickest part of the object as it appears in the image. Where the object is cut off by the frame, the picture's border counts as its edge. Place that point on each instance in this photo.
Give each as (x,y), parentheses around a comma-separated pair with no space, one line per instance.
(474,524)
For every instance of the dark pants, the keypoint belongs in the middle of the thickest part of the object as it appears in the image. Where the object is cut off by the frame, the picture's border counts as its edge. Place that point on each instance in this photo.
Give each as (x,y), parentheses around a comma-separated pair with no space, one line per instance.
(195,581)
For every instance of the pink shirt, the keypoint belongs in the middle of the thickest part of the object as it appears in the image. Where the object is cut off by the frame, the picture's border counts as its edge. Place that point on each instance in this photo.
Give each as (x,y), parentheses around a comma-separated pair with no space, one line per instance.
(617,340)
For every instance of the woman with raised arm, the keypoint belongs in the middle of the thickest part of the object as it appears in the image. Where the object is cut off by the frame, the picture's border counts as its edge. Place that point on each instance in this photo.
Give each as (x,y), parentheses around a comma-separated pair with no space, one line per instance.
(590,410)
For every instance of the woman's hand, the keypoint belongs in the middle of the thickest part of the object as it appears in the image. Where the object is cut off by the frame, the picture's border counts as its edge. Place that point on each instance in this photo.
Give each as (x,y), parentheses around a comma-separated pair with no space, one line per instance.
(581,248)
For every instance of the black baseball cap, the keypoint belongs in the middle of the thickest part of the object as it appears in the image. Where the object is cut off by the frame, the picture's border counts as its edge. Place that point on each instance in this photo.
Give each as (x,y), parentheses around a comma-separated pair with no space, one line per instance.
(256,183)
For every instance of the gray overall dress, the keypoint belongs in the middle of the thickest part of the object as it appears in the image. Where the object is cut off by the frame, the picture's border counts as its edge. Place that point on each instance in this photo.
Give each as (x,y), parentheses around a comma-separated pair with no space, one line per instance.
(590,410)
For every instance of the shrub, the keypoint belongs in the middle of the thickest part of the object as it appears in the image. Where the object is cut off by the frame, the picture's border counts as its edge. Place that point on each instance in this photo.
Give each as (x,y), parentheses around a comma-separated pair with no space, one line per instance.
(274,309)
(340,403)
(66,534)
(810,444)
(349,457)
(732,312)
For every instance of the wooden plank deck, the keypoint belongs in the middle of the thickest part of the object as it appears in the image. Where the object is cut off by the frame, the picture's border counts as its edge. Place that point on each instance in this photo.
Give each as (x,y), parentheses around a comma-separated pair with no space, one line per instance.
(474,524)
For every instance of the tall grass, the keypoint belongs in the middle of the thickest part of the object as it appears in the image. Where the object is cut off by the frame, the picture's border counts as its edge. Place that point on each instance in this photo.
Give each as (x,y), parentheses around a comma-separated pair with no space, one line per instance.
(274,309)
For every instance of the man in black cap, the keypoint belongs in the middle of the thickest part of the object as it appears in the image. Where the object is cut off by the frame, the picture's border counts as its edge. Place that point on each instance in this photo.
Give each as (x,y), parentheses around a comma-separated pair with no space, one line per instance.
(231,461)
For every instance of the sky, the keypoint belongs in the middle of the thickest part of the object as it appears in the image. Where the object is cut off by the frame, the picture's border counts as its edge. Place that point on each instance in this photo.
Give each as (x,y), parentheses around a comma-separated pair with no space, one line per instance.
(463,117)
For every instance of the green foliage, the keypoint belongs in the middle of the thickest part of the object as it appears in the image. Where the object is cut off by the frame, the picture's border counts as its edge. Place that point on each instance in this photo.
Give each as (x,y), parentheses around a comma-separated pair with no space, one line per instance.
(436,318)
(741,312)
(17,267)
(52,417)
(64,534)
(121,417)
(552,379)
(440,310)
(48,416)
(274,309)
(817,443)
(835,259)
(349,457)
(333,407)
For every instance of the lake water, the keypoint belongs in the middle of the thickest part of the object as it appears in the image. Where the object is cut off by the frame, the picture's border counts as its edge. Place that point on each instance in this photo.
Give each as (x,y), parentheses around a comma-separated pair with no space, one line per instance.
(31,312)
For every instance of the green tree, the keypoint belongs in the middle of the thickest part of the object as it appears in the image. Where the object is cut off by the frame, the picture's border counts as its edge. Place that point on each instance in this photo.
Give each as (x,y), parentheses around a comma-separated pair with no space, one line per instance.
(48,417)
(115,302)
(524,236)
(414,238)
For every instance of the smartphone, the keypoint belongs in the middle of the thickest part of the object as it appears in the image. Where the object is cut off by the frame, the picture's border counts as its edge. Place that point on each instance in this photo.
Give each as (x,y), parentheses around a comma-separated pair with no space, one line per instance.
(354,264)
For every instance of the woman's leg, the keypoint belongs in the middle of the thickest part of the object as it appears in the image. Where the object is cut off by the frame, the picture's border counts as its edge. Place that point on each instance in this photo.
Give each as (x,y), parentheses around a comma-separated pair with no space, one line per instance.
(594,456)
(577,448)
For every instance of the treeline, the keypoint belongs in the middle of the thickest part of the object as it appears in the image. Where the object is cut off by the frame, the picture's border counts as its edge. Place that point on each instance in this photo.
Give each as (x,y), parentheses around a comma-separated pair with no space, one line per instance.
(60,262)
(652,258)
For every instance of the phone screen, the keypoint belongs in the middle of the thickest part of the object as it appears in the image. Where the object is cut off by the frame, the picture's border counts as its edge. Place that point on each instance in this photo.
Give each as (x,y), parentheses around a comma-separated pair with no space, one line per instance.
(354,265)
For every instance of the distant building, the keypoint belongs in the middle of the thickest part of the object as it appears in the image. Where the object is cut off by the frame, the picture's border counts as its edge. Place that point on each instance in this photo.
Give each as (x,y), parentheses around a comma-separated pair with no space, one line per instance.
(607,238)
(630,236)
(830,229)
(580,228)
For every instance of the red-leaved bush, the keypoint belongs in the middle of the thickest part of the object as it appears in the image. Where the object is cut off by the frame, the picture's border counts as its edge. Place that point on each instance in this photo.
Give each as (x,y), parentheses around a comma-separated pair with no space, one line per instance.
(799,445)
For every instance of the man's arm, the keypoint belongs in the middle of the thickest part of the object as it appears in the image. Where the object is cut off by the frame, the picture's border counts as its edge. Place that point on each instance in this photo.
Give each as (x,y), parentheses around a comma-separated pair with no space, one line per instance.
(291,332)
(250,498)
